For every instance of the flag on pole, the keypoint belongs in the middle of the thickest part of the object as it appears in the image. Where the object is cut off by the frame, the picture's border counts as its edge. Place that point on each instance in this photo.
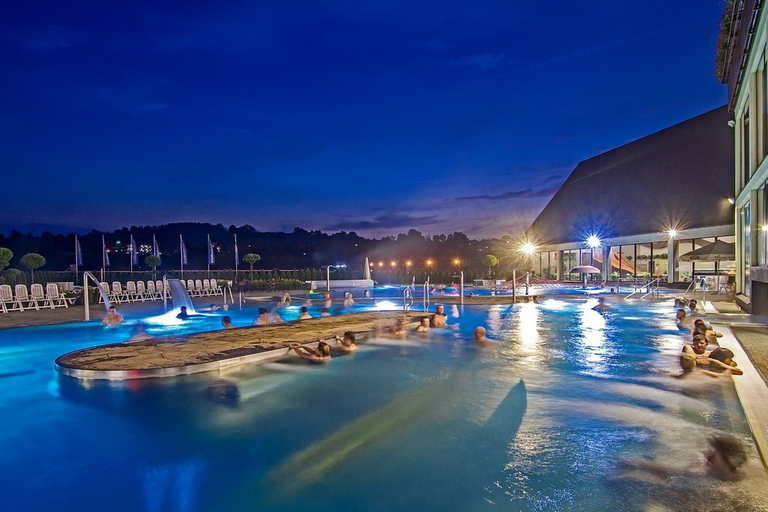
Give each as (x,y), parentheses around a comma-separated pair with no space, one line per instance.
(237,256)
(155,247)
(105,254)
(134,252)
(78,253)
(183,251)
(211,256)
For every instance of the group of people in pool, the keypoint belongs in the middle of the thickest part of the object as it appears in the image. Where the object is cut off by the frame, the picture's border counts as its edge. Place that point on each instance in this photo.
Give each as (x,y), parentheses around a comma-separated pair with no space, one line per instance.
(695,354)
(322,354)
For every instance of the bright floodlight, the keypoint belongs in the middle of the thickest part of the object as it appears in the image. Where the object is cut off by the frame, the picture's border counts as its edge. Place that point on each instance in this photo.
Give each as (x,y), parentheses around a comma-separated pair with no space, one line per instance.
(593,241)
(672,233)
(528,248)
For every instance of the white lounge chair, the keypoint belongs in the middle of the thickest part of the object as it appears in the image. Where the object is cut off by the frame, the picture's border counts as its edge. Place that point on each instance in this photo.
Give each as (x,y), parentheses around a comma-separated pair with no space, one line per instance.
(107,290)
(130,291)
(199,291)
(141,291)
(206,287)
(22,294)
(215,288)
(37,294)
(159,288)
(152,292)
(118,294)
(54,297)
(8,300)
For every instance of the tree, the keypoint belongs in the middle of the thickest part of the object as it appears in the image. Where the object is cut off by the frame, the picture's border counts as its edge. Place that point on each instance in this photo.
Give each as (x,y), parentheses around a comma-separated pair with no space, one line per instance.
(32,261)
(152,261)
(5,257)
(490,261)
(250,259)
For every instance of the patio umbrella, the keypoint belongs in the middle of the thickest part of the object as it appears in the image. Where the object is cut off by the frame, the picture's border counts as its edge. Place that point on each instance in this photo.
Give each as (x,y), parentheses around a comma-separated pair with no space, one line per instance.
(584,269)
(716,251)
(367,270)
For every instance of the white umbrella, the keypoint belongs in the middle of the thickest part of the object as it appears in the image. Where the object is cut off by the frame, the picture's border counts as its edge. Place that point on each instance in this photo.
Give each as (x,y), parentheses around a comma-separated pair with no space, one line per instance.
(367,269)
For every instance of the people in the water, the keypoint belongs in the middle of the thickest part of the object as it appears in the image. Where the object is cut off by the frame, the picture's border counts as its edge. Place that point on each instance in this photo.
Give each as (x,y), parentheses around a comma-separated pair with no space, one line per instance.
(112,317)
(304,313)
(347,342)
(321,354)
(480,339)
(226,322)
(423,327)
(601,305)
(183,315)
(439,318)
(263,318)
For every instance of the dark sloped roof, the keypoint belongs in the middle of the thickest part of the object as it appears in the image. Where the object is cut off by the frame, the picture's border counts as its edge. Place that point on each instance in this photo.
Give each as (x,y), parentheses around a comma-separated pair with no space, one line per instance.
(678,178)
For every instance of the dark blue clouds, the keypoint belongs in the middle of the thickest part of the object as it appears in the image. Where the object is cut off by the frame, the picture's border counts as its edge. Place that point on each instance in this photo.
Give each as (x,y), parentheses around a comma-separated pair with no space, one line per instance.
(366,116)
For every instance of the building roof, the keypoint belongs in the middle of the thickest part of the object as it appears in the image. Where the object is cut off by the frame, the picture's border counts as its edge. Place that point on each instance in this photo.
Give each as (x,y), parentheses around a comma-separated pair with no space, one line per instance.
(678,178)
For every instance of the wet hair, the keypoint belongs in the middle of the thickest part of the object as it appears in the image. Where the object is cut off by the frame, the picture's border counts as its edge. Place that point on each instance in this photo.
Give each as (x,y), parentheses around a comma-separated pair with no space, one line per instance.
(323,310)
(680,314)
(692,304)
(226,320)
(687,361)
(262,311)
(698,321)
(721,354)
(730,450)
(304,309)
(324,348)
(700,329)
(424,318)
(350,336)
(699,337)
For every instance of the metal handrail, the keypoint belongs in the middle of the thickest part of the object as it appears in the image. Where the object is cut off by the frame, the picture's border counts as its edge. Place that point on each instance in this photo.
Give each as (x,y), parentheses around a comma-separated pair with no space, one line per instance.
(652,289)
(647,286)
(425,300)
(407,298)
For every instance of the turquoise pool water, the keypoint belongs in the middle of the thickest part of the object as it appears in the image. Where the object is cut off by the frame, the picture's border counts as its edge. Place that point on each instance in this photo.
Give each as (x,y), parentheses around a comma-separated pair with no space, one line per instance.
(536,422)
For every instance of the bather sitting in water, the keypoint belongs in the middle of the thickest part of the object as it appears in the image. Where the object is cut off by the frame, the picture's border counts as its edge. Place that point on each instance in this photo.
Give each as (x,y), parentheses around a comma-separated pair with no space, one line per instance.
(263,318)
(183,315)
(348,301)
(698,350)
(683,321)
(304,313)
(347,342)
(423,327)
(321,354)
(601,305)
(226,322)
(722,461)
(285,301)
(479,338)
(112,317)
(438,319)
(139,334)
(397,332)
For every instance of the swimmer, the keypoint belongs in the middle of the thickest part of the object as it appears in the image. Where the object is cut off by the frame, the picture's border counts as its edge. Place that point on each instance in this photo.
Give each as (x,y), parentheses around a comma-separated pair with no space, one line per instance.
(304,313)
(423,327)
(274,317)
(683,321)
(347,342)
(183,315)
(324,312)
(139,334)
(321,354)
(438,318)
(722,461)
(479,338)
(226,322)
(285,301)
(263,318)
(348,302)
(601,305)
(698,350)
(112,317)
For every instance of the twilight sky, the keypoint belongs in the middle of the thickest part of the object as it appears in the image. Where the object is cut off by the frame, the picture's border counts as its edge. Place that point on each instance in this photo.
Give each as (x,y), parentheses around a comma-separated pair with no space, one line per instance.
(373,117)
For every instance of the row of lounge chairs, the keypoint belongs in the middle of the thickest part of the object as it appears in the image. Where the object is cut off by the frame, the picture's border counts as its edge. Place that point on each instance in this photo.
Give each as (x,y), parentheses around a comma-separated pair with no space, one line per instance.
(137,291)
(36,297)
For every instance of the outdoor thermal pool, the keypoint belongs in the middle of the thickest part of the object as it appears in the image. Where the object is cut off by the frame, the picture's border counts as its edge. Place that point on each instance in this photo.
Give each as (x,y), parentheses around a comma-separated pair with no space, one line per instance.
(537,422)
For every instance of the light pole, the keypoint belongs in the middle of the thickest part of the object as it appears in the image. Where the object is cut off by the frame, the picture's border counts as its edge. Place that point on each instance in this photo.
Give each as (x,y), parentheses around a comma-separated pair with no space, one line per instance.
(328,275)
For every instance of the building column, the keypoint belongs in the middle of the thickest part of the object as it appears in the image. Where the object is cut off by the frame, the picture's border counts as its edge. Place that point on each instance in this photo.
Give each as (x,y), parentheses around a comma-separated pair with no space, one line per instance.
(607,263)
(671,266)
(560,262)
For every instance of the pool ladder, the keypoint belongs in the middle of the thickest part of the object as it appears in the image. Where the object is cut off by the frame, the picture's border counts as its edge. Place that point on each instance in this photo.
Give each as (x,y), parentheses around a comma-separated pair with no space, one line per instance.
(651,287)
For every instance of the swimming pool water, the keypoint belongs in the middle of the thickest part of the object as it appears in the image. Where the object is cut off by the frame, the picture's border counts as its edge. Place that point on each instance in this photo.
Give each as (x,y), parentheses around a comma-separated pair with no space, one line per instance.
(534,423)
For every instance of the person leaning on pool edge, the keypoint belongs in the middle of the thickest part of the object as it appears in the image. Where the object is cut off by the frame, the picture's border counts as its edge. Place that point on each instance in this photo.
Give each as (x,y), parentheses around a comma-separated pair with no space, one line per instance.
(321,354)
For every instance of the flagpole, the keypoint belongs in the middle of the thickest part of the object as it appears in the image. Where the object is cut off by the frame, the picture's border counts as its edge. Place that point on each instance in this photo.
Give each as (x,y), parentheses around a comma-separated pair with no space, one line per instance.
(210,250)
(181,255)
(131,255)
(236,257)
(103,256)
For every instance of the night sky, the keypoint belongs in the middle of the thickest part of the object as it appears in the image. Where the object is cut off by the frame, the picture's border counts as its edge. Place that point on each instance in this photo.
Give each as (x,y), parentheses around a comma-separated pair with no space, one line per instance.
(373,117)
